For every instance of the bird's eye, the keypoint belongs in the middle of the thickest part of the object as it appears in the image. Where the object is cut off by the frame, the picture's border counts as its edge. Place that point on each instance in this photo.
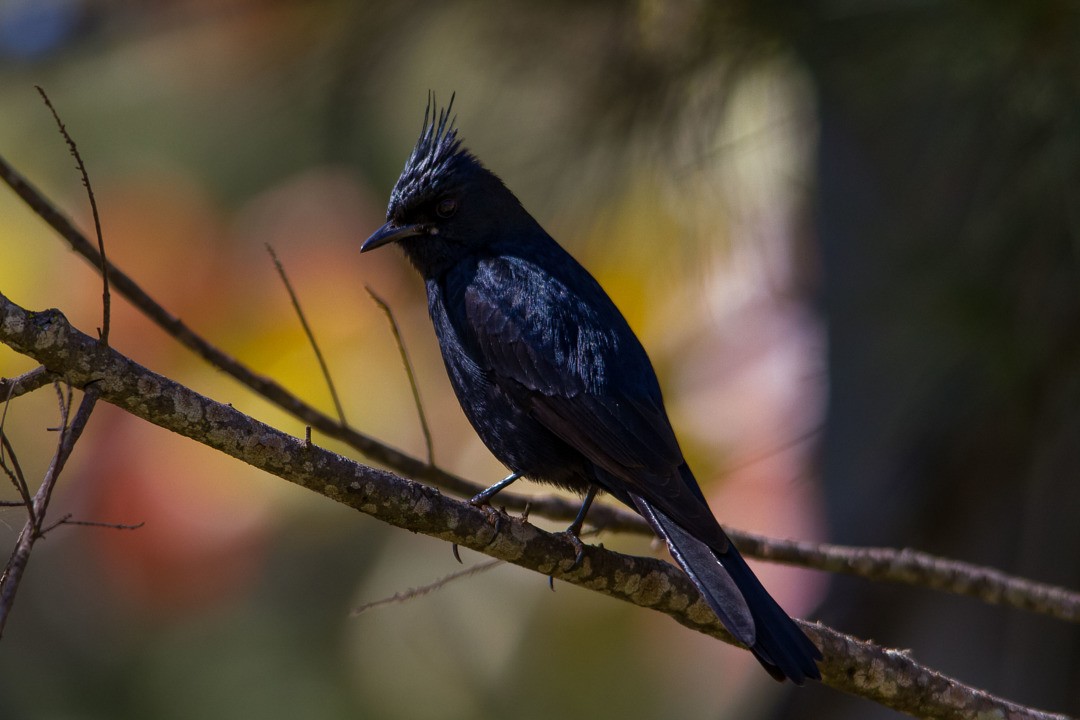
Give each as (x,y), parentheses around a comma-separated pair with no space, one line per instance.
(446,207)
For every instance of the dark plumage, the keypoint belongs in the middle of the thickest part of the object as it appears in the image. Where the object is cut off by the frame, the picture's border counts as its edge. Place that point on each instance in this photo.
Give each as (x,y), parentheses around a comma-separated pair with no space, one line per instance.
(555,382)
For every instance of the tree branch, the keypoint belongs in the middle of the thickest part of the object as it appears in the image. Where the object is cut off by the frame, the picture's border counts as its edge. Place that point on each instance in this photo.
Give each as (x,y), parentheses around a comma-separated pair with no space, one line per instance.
(33,529)
(888,677)
(887,564)
(911,567)
(28,382)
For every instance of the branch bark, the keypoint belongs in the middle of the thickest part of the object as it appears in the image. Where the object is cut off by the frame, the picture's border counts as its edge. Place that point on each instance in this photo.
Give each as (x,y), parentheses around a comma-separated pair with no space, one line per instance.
(888,677)
(911,567)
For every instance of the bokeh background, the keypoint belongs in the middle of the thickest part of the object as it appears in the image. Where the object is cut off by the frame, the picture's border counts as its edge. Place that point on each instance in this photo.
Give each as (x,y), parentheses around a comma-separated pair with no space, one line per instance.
(848,233)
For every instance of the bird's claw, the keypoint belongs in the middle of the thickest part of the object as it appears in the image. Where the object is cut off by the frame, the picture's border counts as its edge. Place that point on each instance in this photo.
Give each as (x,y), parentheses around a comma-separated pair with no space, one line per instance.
(578,546)
(573,533)
(495,517)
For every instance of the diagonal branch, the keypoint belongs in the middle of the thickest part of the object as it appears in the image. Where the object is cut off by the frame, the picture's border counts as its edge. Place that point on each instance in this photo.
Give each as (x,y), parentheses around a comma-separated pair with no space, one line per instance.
(901,566)
(891,678)
(552,507)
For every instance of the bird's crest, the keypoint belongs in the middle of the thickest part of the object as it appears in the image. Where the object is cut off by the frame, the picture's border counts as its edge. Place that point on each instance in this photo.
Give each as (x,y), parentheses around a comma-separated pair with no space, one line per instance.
(433,160)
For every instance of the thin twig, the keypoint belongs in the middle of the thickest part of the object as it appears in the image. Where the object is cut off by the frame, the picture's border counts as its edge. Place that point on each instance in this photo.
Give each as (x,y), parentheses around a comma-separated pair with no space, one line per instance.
(105,525)
(310,335)
(67,520)
(15,472)
(31,532)
(44,492)
(772,452)
(412,593)
(408,371)
(103,266)
(28,382)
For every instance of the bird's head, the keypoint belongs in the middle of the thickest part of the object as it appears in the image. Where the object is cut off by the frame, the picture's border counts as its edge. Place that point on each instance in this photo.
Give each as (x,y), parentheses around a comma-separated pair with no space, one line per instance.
(445,205)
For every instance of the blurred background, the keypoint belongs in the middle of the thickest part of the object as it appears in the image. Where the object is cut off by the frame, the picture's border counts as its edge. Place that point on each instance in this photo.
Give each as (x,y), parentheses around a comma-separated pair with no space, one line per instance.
(847,232)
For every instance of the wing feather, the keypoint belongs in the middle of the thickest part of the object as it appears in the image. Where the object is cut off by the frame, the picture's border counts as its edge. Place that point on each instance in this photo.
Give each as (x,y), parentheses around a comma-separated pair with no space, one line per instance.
(556,353)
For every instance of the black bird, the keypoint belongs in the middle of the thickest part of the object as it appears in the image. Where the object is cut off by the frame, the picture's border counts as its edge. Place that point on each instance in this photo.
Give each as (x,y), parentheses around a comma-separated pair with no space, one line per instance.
(554,380)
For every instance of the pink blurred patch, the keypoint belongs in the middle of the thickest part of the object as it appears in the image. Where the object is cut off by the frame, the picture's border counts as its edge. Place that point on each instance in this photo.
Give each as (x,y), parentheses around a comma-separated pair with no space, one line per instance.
(205,534)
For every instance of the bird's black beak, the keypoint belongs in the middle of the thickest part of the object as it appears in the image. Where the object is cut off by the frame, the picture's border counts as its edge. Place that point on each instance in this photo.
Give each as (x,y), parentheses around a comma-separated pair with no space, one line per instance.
(389,233)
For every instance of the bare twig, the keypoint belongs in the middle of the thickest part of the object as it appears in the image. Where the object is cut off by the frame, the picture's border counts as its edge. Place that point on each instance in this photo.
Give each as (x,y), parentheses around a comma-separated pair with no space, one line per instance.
(310,335)
(32,530)
(408,371)
(412,593)
(891,678)
(105,525)
(28,382)
(64,395)
(103,266)
(15,473)
(65,443)
(779,448)
(67,520)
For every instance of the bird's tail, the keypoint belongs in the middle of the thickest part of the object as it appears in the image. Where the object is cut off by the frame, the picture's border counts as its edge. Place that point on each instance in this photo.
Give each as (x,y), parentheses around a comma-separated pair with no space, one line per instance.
(738,598)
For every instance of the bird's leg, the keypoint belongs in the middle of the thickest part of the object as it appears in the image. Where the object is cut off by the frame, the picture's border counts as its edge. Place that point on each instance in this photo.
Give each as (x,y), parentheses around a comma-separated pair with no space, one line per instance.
(484,498)
(574,531)
(579,521)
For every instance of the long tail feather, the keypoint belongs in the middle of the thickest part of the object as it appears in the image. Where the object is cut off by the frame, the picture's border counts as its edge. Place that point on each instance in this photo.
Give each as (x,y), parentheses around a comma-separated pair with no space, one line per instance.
(738,598)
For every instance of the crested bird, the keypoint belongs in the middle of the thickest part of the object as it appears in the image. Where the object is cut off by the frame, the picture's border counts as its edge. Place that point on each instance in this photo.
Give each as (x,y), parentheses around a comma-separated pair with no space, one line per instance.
(555,382)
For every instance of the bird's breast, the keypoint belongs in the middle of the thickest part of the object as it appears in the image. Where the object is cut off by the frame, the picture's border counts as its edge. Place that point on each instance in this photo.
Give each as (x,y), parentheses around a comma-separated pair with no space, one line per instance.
(497,409)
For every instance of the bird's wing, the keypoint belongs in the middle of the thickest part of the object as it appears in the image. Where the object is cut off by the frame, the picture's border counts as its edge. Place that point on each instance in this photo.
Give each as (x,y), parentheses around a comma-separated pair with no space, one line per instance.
(569,356)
